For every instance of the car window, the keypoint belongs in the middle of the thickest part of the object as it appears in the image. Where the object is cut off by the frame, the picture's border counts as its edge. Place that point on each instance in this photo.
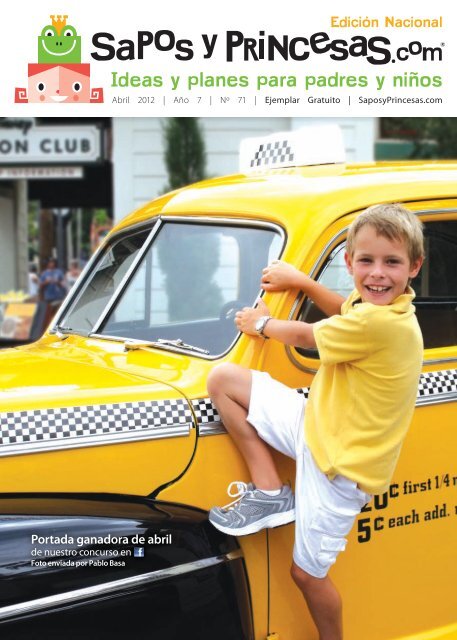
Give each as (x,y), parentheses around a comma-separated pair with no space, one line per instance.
(190,283)
(435,286)
(333,275)
(105,277)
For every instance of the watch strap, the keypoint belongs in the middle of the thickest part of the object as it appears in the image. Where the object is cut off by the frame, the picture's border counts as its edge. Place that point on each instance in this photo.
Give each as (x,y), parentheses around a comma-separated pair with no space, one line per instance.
(262,324)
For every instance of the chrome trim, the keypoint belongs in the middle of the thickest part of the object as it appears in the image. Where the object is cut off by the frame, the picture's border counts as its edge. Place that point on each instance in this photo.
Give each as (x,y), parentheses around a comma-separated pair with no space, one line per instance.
(187,352)
(436,399)
(76,442)
(103,336)
(329,247)
(234,222)
(143,344)
(302,367)
(126,279)
(212,429)
(298,364)
(80,595)
(216,220)
(70,299)
(435,212)
(190,219)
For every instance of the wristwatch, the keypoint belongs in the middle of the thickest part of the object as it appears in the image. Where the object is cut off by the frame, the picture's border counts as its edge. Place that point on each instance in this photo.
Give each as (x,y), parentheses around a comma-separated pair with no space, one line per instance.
(260,326)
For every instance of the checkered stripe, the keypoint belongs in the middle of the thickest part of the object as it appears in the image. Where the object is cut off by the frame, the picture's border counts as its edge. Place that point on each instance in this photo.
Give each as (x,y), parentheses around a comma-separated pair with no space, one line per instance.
(272,153)
(205,411)
(207,415)
(44,425)
(71,423)
(435,383)
(432,383)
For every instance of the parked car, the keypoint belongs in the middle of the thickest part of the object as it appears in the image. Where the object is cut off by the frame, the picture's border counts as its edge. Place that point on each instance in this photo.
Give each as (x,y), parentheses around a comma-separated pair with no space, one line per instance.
(112,400)
(103,566)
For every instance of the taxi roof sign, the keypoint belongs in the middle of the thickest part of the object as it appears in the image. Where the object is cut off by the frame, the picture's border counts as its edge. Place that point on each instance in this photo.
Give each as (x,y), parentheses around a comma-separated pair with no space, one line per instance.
(307,146)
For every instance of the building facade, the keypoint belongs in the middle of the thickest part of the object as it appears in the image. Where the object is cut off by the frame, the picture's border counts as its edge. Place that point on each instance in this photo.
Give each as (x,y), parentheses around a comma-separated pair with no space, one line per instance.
(65,164)
(138,150)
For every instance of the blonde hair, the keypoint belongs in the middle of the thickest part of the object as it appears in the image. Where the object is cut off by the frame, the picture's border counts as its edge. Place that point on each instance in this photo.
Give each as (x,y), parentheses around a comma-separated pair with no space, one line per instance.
(394,222)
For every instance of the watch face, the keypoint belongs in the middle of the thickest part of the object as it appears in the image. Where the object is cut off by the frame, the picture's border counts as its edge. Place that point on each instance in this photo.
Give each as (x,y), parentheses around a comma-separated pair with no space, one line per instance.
(259,325)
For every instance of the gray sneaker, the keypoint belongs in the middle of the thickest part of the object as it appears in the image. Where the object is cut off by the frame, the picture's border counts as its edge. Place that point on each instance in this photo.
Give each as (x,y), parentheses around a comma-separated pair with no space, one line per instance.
(253,510)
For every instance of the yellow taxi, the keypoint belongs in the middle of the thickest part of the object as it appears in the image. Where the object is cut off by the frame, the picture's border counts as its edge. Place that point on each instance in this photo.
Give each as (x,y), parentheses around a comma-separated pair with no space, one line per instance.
(113,400)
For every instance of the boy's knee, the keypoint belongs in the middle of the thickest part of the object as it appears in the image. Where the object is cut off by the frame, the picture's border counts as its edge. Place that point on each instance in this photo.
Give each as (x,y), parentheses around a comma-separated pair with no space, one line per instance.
(220,376)
(303,580)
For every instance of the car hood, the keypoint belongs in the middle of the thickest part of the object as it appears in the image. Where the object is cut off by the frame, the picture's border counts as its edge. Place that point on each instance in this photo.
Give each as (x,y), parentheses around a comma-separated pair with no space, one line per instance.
(67,401)
(59,373)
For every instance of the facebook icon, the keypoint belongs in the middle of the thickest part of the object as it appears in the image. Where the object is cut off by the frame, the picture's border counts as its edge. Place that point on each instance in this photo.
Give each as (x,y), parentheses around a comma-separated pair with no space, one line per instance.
(138,552)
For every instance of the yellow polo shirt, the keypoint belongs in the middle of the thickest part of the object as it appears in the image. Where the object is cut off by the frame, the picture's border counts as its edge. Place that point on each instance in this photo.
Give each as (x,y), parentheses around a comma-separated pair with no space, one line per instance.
(362,398)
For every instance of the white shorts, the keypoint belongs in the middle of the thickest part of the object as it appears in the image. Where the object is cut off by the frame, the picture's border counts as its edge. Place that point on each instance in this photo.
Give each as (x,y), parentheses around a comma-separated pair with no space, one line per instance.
(325,509)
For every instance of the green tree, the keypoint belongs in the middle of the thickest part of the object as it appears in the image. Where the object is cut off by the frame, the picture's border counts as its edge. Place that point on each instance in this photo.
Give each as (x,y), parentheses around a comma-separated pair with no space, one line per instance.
(431,137)
(444,131)
(188,265)
(185,156)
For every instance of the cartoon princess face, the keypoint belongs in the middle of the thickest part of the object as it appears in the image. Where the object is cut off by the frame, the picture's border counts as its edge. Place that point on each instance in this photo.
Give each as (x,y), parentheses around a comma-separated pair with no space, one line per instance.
(62,83)
(68,83)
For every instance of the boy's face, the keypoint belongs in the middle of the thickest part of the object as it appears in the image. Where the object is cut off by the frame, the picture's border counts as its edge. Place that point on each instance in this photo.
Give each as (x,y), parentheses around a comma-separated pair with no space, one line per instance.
(380,267)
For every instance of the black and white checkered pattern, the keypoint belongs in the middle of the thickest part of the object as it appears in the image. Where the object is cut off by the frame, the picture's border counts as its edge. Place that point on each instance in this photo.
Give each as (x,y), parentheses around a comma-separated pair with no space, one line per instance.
(432,383)
(207,415)
(435,383)
(272,153)
(205,411)
(43,425)
(68,424)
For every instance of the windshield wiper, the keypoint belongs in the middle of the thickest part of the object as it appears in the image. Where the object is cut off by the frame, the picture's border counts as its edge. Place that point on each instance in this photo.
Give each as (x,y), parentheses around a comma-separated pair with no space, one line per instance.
(62,331)
(160,343)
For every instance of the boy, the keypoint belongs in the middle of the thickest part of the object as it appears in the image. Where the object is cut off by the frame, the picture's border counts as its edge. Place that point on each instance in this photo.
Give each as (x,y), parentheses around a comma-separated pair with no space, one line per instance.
(359,409)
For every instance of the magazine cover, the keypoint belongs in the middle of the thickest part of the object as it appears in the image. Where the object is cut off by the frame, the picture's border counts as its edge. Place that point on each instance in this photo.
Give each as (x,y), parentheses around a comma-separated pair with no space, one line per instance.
(228,330)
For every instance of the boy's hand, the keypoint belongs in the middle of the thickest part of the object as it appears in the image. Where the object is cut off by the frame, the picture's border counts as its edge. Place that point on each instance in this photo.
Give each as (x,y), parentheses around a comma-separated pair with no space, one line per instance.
(246,318)
(279,276)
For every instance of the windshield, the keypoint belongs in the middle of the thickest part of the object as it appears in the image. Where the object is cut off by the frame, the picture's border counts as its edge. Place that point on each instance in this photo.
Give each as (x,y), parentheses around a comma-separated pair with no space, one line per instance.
(189,284)
(109,271)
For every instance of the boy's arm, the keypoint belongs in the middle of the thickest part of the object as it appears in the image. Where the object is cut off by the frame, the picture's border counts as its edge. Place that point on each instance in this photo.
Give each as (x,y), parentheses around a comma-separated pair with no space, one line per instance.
(280,276)
(292,332)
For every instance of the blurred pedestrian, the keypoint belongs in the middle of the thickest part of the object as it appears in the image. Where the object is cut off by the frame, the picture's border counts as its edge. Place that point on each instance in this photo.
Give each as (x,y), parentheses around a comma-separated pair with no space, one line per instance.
(52,283)
(72,274)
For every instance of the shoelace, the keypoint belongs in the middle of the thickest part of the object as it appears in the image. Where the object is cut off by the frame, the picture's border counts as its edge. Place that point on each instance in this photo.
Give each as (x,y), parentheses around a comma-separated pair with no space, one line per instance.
(241,488)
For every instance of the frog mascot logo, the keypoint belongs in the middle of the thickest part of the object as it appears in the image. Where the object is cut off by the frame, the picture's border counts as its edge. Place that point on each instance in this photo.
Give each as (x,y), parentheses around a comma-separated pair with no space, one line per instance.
(59,76)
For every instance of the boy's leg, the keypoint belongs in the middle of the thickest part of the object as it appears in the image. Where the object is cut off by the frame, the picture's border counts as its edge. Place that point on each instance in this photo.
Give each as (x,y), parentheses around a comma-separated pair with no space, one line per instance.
(229,387)
(325,514)
(324,603)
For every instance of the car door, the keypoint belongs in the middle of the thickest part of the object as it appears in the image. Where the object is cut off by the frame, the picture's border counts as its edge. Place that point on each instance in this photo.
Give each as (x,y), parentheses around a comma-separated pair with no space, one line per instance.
(397,572)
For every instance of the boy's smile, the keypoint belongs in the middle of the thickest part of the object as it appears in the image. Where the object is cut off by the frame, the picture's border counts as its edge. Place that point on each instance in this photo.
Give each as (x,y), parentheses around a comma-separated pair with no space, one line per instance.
(380,267)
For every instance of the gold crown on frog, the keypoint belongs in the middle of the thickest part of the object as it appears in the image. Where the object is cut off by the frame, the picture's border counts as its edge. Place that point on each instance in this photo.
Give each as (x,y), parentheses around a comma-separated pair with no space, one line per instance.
(59,22)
